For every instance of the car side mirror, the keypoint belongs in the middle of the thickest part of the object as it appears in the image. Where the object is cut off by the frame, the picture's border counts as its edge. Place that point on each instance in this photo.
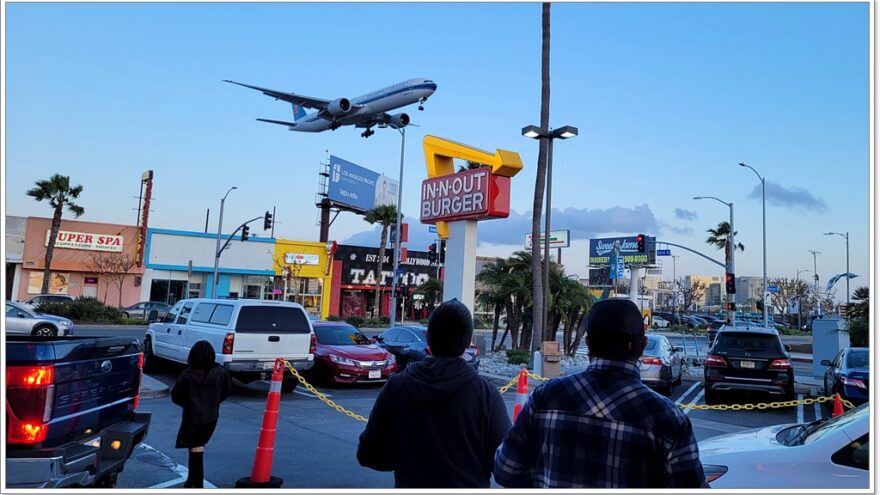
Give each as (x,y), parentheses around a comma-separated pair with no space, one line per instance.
(677,349)
(378,338)
(825,362)
(21,314)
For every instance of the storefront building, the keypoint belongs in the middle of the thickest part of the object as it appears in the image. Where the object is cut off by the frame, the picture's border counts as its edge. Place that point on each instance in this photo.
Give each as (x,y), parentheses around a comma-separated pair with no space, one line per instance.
(180,264)
(303,273)
(90,259)
(353,286)
(15,227)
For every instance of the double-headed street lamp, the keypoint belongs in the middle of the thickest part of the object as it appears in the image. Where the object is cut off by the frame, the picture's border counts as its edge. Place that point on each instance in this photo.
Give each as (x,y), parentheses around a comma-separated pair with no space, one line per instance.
(731,248)
(764,223)
(845,236)
(397,226)
(217,250)
(536,132)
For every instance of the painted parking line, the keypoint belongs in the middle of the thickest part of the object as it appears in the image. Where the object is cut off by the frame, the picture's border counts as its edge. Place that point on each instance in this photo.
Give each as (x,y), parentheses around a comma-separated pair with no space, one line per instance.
(695,401)
(817,410)
(309,394)
(686,393)
(179,469)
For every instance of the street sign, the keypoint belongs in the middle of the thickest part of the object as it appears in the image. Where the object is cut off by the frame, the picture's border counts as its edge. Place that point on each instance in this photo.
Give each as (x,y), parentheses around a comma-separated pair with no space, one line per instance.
(400,272)
(613,263)
(558,239)
(772,289)
(664,252)
(432,229)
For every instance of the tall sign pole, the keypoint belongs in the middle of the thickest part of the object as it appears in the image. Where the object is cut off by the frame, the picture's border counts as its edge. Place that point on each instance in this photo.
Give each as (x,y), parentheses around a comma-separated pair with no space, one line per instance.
(397,226)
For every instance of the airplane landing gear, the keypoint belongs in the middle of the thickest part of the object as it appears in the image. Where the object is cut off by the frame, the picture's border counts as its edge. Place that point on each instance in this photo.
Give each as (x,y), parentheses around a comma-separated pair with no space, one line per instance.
(422,103)
(334,126)
(367,133)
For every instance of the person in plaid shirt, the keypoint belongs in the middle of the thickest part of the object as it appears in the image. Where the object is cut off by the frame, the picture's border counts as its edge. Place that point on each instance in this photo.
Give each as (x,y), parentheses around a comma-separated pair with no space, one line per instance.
(602,428)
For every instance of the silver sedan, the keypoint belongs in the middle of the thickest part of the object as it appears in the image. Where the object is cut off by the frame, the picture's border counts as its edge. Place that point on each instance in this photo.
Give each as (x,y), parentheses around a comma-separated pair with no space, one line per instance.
(660,364)
(22,320)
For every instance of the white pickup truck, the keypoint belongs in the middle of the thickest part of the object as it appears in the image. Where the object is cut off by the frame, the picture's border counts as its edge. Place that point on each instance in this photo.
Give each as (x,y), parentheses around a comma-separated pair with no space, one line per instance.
(247,336)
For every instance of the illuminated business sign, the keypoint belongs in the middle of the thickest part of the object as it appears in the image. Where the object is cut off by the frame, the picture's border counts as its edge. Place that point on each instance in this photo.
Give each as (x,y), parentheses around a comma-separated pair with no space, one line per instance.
(87,241)
(359,188)
(301,259)
(470,194)
(601,251)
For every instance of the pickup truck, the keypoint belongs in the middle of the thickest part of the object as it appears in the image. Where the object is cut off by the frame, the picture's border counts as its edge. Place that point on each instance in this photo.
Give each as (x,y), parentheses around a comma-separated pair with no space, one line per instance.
(70,410)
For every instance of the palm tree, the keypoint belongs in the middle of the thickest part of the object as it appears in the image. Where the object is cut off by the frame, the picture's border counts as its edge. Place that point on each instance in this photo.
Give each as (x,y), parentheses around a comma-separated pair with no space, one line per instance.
(493,294)
(384,215)
(541,176)
(432,289)
(858,309)
(58,193)
(718,237)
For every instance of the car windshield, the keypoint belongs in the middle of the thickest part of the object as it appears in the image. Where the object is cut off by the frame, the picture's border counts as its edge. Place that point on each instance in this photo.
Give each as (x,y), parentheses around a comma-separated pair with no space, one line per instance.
(850,417)
(340,335)
(857,359)
(652,344)
(744,341)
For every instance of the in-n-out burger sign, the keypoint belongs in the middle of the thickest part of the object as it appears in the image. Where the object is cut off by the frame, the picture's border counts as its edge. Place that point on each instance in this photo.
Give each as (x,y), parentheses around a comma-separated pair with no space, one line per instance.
(87,241)
(471,194)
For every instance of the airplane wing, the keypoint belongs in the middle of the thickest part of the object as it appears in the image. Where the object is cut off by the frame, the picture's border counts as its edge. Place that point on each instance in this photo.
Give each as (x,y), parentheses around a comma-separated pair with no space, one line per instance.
(279,122)
(305,101)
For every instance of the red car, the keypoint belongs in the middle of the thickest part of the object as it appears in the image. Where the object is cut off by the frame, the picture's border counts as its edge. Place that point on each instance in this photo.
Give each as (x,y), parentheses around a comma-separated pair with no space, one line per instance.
(345,355)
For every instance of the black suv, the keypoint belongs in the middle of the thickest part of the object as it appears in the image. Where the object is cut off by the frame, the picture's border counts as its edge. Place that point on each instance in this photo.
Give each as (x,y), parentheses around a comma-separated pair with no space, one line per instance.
(753,360)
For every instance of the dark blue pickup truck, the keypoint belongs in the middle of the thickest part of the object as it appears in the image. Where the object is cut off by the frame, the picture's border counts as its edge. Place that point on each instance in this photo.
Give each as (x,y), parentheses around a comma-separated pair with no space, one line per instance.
(70,410)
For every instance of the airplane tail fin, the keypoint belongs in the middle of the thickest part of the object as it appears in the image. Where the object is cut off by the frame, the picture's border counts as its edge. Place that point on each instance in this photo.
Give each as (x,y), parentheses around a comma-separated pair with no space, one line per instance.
(298,112)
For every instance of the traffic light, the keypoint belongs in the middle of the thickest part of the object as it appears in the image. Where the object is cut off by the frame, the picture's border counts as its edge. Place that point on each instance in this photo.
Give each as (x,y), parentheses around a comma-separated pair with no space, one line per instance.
(432,253)
(730,283)
(640,243)
(245,232)
(442,251)
(760,304)
(731,306)
(267,221)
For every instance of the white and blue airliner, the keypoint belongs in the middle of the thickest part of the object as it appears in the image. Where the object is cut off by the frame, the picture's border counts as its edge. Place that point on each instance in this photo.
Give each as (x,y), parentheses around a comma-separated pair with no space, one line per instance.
(364,111)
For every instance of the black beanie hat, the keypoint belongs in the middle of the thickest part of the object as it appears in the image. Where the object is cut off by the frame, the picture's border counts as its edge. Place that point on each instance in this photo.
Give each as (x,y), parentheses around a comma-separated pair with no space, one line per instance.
(450,329)
(615,329)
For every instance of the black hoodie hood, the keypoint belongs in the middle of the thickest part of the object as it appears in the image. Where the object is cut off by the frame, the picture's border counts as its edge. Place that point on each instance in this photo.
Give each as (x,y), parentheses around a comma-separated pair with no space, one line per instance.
(437,379)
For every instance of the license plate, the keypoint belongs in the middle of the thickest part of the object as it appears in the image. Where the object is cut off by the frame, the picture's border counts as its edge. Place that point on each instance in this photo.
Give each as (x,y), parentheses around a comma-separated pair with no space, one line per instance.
(268,365)
(747,364)
(375,374)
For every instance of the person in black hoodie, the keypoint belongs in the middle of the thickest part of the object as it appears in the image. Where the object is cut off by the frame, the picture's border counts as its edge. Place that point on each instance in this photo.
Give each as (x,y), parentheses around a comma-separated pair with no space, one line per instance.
(437,424)
(199,391)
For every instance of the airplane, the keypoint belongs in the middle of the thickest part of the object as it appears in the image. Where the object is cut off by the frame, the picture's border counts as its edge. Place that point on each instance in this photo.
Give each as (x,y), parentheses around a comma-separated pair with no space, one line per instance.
(362,112)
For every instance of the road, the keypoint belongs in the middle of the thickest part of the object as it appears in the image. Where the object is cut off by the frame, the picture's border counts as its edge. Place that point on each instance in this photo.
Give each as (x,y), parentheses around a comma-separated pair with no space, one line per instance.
(315,445)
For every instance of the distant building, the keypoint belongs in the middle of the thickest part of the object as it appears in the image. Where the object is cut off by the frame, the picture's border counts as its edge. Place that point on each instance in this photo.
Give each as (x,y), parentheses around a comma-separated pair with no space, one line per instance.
(708,281)
(714,294)
(748,290)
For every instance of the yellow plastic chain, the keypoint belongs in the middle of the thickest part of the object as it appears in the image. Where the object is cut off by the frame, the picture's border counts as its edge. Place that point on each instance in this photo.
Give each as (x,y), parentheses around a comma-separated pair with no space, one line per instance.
(322,397)
(766,405)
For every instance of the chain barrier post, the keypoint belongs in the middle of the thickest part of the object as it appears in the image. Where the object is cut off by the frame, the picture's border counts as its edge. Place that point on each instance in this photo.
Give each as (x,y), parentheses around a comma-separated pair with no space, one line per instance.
(261,476)
(522,392)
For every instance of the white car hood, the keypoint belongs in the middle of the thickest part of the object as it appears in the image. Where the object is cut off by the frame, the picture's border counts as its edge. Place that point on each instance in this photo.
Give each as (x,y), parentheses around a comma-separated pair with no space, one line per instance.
(741,442)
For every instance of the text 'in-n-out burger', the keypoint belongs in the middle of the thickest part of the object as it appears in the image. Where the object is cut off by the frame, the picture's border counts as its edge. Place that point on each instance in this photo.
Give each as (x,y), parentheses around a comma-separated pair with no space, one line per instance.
(470,194)
(87,241)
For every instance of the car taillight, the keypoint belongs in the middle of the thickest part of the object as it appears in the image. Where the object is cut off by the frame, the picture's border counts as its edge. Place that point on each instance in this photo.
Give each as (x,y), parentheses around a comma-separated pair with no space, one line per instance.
(30,393)
(228,342)
(651,360)
(313,344)
(714,360)
(780,364)
(137,396)
(427,350)
(853,382)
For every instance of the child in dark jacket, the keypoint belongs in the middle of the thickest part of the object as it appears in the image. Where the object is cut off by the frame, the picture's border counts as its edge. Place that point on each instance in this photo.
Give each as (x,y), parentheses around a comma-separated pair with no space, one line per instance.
(199,391)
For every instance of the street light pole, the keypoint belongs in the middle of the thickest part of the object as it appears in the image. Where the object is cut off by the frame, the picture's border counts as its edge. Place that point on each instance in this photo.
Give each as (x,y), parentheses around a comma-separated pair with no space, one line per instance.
(217,249)
(397,228)
(845,236)
(731,250)
(764,228)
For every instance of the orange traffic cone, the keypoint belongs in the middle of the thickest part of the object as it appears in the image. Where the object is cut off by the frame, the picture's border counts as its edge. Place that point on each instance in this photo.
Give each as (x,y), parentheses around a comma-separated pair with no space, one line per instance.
(261,476)
(838,406)
(522,392)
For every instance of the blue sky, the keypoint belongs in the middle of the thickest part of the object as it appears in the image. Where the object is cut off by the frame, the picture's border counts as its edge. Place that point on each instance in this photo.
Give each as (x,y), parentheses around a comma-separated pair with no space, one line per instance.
(668,99)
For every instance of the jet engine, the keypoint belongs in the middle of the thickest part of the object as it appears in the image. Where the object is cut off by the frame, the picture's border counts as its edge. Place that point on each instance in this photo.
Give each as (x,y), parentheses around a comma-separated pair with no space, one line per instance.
(399,120)
(339,106)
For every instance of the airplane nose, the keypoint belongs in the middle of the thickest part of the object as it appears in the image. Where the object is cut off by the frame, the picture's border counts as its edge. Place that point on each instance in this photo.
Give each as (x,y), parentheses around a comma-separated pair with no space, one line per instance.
(432,87)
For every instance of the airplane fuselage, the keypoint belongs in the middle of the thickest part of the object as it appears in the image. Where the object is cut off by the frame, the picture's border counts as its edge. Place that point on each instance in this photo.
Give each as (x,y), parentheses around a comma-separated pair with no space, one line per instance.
(377,102)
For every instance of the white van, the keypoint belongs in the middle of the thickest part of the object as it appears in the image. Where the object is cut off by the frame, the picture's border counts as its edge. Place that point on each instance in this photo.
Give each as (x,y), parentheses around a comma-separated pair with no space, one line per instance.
(247,335)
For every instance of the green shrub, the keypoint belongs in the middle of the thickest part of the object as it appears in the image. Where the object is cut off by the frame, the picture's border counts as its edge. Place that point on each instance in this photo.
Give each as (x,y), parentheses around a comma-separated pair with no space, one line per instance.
(132,321)
(85,310)
(858,332)
(334,318)
(517,356)
(355,321)
(423,322)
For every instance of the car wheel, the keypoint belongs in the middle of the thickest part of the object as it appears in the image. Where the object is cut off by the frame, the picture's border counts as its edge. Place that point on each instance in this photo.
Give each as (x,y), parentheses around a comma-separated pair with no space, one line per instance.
(126,314)
(656,326)
(151,361)
(666,389)
(45,331)
(678,380)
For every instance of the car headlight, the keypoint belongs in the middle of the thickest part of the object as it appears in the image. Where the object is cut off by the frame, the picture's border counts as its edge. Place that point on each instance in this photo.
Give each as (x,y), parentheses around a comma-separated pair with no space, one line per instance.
(341,360)
(66,323)
(713,471)
(391,359)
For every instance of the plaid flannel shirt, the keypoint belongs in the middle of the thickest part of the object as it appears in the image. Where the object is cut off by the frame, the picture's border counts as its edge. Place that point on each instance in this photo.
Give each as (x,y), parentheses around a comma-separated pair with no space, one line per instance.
(602,428)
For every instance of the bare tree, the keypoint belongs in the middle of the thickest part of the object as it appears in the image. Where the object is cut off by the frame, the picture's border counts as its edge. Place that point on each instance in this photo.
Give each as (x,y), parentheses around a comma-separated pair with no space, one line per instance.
(120,269)
(689,291)
(101,265)
(789,289)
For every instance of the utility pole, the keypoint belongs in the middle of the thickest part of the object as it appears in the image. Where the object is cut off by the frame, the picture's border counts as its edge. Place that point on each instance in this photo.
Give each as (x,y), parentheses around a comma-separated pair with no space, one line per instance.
(674,285)
(816,282)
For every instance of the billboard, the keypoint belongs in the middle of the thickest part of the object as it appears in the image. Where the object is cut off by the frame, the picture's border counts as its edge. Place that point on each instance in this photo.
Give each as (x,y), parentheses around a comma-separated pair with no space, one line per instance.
(602,249)
(558,239)
(359,188)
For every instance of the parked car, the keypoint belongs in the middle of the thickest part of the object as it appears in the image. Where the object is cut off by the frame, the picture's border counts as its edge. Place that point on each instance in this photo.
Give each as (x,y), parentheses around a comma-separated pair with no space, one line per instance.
(142,310)
(24,320)
(830,453)
(70,410)
(409,343)
(35,301)
(752,360)
(345,355)
(247,335)
(659,322)
(660,364)
(848,374)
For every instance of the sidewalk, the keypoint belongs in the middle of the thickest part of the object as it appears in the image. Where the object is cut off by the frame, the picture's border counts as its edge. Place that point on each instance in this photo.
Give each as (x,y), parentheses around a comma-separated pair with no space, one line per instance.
(152,388)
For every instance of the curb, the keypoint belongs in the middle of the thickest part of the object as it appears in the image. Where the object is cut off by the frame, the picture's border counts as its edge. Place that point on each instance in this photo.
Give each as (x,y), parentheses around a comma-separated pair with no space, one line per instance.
(152,388)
